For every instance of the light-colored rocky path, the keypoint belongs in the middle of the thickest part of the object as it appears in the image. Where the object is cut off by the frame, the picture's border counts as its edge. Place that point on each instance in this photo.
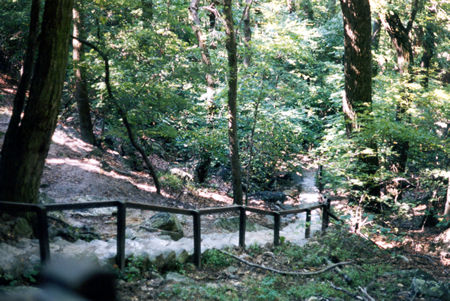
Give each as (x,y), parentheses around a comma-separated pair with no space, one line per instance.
(16,259)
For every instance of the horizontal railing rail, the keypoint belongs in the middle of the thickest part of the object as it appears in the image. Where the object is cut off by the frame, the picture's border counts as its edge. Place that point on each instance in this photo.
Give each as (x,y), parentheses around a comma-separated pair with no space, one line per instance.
(42,220)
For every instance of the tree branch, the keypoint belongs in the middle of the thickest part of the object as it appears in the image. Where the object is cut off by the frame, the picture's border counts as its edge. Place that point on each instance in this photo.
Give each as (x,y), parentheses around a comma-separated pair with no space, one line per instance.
(286,272)
(123,114)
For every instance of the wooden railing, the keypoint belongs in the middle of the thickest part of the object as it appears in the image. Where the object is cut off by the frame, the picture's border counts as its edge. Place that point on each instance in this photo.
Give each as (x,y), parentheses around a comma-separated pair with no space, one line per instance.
(42,221)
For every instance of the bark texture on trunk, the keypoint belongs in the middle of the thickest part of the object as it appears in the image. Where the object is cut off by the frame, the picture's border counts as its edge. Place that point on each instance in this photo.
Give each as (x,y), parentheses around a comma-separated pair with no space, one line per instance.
(81,86)
(357,98)
(23,160)
(232,103)
(357,60)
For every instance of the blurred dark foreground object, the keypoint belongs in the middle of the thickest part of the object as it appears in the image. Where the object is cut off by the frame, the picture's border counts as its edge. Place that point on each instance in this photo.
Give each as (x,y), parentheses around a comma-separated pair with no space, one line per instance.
(68,280)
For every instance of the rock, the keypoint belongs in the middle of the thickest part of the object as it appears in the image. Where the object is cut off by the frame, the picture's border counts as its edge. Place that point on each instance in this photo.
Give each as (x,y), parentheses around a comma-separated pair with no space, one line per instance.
(232,224)
(430,289)
(269,196)
(177,278)
(167,222)
(182,257)
(16,293)
(22,228)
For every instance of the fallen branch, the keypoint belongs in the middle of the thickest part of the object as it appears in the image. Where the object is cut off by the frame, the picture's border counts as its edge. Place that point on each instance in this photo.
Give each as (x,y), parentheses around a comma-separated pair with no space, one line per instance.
(345,291)
(342,274)
(366,295)
(286,272)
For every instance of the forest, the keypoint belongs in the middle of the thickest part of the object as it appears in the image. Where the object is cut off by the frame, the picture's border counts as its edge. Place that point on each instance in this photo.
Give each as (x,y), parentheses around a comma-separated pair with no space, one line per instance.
(191,104)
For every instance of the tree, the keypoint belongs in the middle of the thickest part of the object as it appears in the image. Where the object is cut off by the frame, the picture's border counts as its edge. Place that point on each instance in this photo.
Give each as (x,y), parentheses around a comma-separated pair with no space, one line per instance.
(202,168)
(358,78)
(401,41)
(247,32)
(81,86)
(232,102)
(23,158)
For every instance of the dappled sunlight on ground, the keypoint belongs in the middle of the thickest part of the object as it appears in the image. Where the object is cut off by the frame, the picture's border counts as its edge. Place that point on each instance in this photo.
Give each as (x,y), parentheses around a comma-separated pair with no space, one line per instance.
(76,145)
(224,199)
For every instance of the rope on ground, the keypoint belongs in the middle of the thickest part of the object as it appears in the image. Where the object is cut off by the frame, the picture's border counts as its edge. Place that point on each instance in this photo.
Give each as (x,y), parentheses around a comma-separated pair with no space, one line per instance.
(286,272)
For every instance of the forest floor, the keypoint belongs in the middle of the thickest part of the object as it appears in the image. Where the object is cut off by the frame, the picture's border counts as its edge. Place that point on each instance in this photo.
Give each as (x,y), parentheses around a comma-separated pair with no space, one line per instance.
(383,265)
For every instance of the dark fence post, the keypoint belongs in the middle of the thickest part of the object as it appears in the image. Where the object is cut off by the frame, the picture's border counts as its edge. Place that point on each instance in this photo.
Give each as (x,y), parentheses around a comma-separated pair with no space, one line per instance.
(308,224)
(325,217)
(242,226)
(276,228)
(197,239)
(121,225)
(44,244)
(319,178)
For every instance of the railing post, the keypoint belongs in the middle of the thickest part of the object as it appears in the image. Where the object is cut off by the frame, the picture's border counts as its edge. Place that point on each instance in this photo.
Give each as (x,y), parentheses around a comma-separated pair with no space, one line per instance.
(325,217)
(319,179)
(44,244)
(121,225)
(242,226)
(276,228)
(197,239)
(308,224)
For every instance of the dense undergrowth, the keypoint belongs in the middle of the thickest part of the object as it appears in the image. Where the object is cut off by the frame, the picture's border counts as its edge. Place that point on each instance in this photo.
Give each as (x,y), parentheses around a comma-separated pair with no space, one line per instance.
(382,274)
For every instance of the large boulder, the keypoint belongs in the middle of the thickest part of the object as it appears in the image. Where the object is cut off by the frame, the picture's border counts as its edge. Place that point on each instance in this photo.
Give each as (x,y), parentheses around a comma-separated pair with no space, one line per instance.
(167,223)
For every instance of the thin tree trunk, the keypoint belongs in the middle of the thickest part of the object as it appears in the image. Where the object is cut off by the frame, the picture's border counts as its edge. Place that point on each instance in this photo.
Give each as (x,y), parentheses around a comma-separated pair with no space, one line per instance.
(124,117)
(447,202)
(428,46)
(147,12)
(19,98)
(402,44)
(232,102)
(23,159)
(247,33)
(202,168)
(81,87)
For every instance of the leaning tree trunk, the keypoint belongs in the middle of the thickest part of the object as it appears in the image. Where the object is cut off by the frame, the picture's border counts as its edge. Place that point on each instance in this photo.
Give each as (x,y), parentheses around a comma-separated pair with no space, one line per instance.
(358,78)
(123,115)
(232,103)
(24,84)
(23,160)
(81,87)
(399,35)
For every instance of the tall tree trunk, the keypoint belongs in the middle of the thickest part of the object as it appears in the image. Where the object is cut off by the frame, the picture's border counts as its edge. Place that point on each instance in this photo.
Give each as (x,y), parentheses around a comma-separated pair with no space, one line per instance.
(428,45)
(147,12)
(202,168)
(232,102)
(358,78)
(247,32)
(23,159)
(357,60)
(399,35)
(24,84)
(447,202)
(81,87)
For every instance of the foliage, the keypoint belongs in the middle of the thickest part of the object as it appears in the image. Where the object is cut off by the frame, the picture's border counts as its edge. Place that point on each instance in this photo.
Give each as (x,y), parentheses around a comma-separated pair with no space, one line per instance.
(136,267)
(214,259)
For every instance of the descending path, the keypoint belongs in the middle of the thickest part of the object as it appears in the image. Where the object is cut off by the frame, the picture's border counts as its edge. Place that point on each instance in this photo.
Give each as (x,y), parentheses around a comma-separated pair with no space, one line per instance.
(15,259)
